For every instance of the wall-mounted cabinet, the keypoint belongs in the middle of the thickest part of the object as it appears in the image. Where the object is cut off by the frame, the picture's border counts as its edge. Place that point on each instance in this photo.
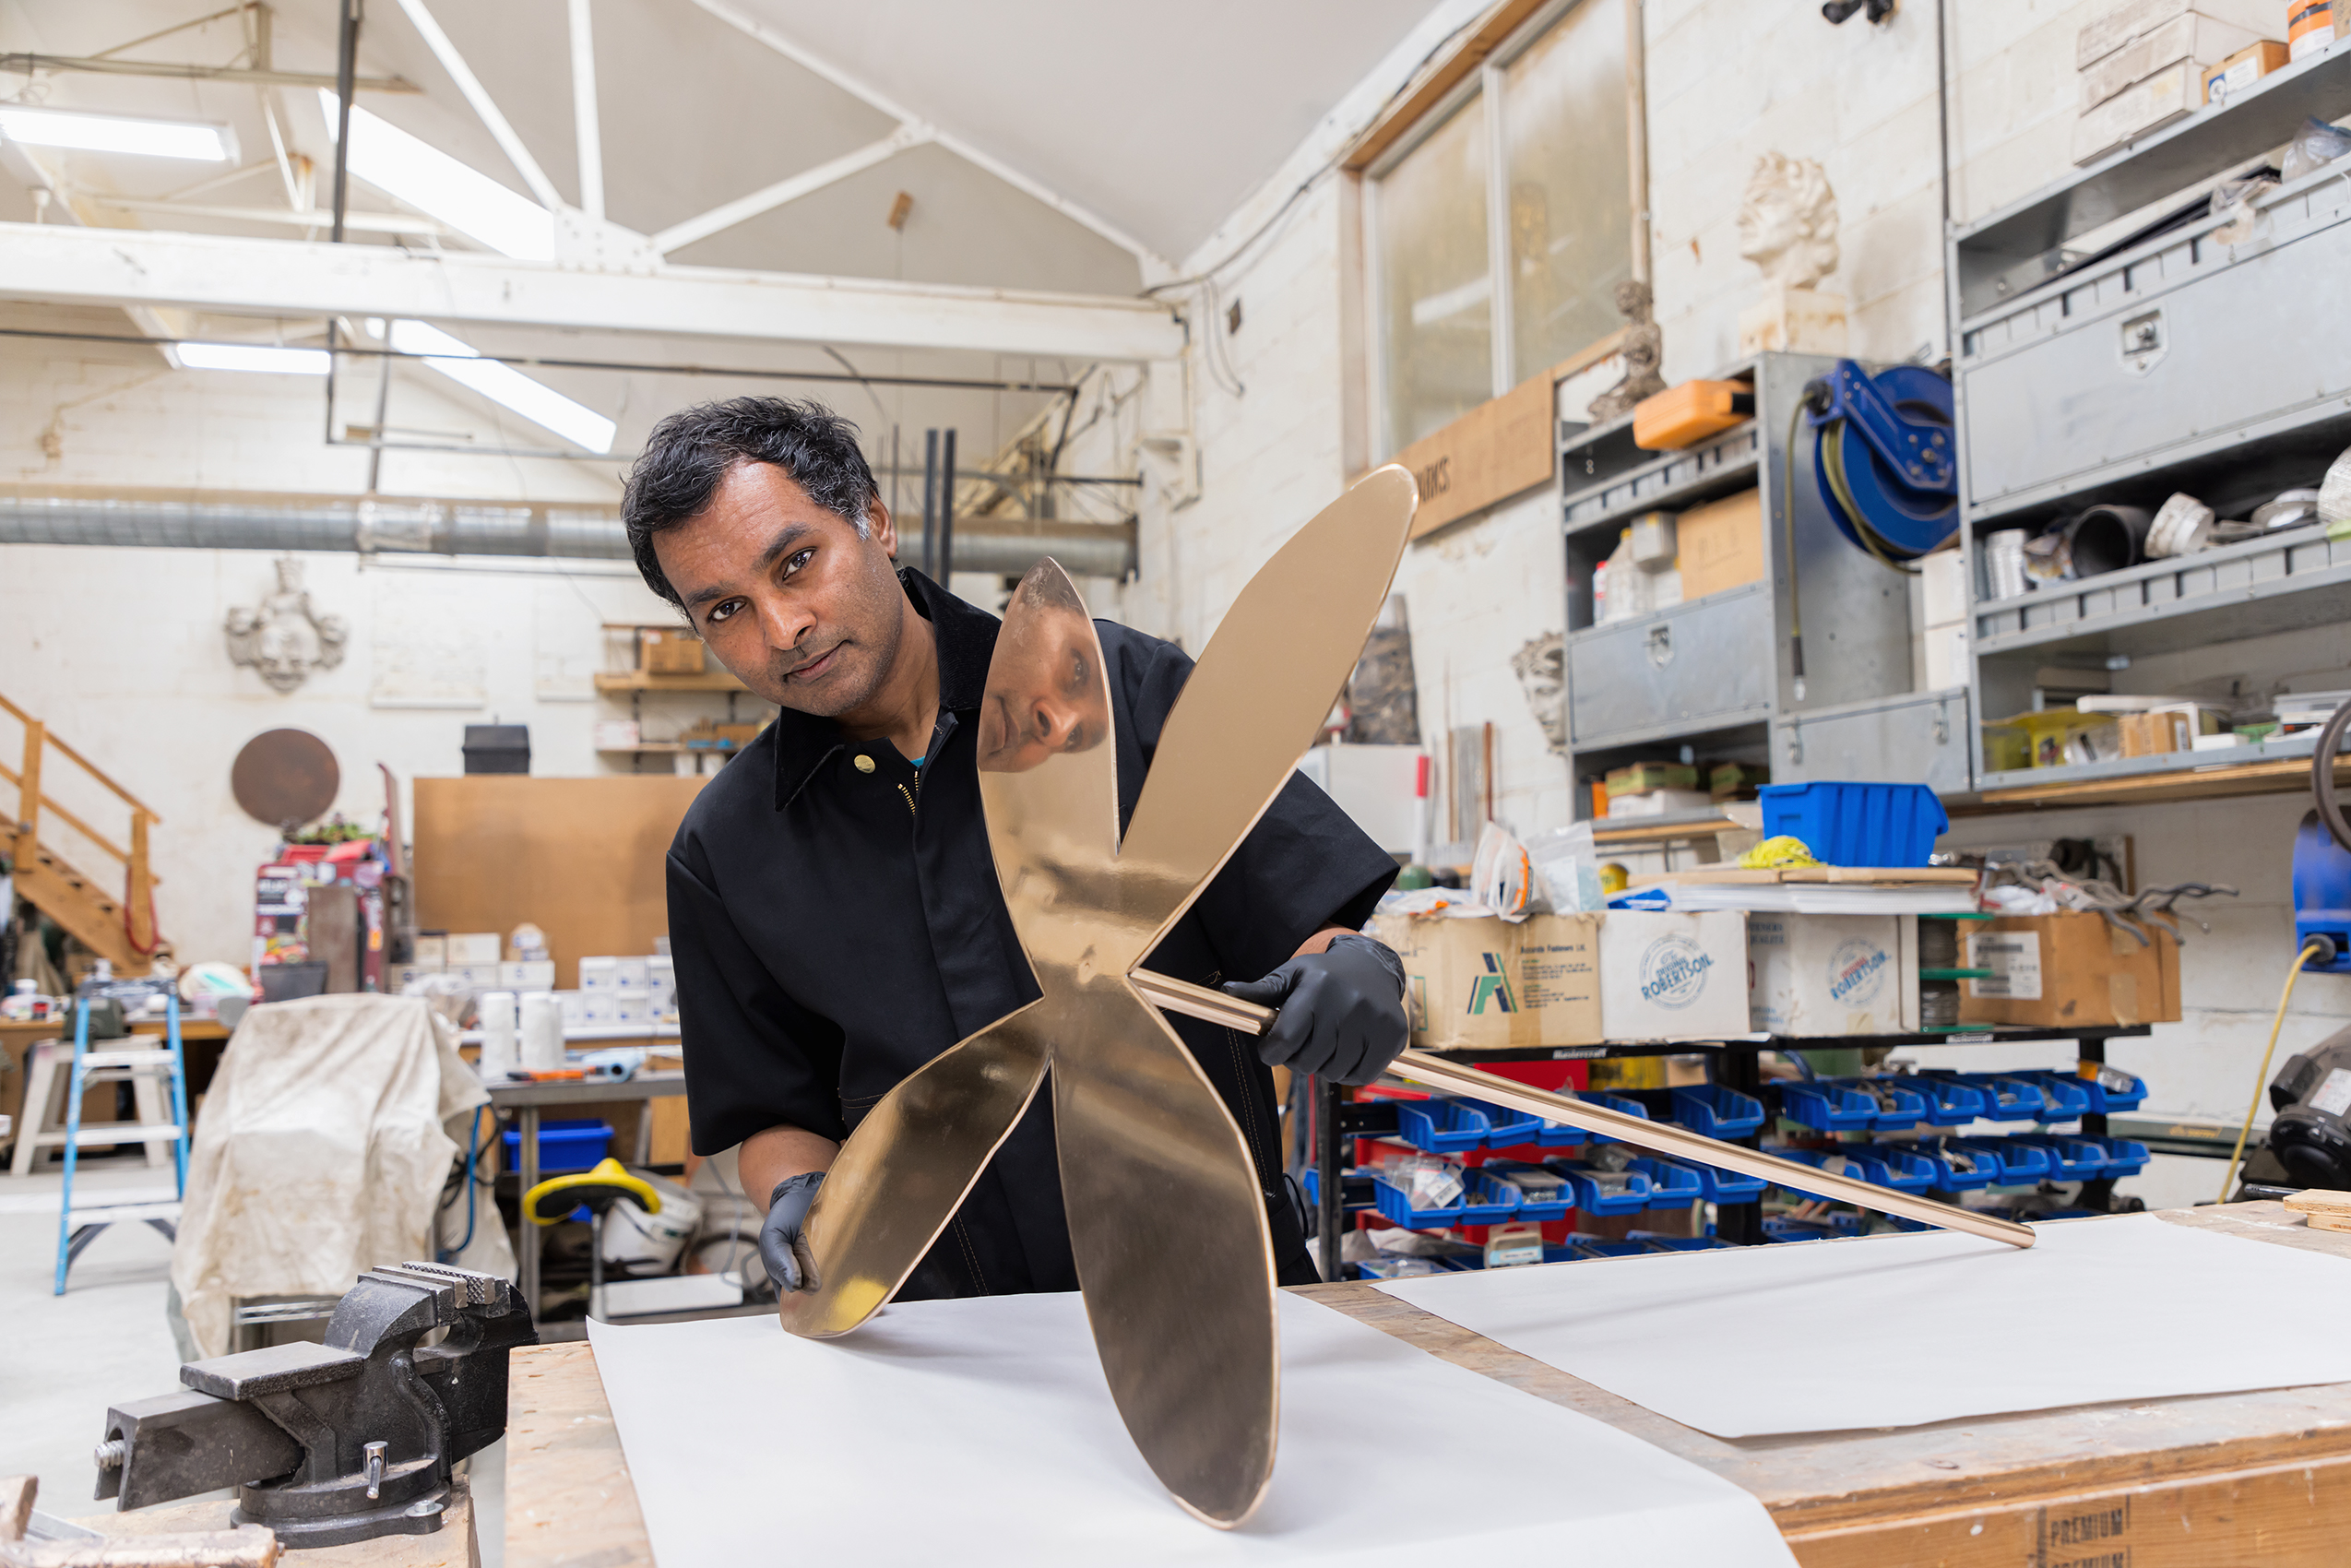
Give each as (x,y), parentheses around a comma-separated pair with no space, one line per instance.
(2119,343)
(1715,674)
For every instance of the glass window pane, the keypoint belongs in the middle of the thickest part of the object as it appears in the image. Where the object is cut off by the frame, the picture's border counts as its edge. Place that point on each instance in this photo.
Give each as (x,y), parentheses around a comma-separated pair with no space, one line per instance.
(1571,205)
(1436,307)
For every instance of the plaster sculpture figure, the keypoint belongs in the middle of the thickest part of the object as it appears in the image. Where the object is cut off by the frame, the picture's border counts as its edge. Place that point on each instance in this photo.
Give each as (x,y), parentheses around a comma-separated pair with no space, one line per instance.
(287,637)
(1541,667)
(1788,228)
(1644,349)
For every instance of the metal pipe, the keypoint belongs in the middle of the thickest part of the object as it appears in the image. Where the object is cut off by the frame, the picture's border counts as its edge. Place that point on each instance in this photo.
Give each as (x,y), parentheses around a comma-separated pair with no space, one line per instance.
(946,507)
(346,69)
(29,64)
(930,505)
(1006,546)
(1661,1137)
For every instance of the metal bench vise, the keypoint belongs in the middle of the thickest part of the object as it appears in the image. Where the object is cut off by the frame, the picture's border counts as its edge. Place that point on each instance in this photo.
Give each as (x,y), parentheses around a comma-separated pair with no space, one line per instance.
(340,1441)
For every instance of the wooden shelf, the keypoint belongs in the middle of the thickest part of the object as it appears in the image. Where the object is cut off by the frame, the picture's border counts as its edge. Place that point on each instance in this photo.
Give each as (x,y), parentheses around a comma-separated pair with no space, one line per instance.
(2281,777)
(638,680)
(666,748)
(1635,830)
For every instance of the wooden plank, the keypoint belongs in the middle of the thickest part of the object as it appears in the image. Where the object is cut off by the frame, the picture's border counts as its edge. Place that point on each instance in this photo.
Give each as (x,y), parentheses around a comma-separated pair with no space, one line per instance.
(1861,876)
(1494,451)
(580,857)
(1632,830)
(451,1546)
(639,681)
(569,1498)
(1436,80)
(2278,777)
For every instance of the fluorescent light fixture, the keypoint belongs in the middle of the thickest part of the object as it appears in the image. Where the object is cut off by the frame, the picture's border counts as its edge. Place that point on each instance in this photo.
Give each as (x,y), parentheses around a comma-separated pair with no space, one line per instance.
(252,356)
(434,183)
(115,133)
(504,384)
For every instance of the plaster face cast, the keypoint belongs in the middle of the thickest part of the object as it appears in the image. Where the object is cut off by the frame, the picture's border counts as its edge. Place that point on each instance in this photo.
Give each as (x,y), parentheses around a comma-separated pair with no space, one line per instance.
(286,638)
(1541,668)
(1788,221)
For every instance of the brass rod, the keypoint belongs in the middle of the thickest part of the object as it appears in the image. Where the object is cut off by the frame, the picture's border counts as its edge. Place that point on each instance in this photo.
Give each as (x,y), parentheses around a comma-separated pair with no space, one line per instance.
(1660,1137)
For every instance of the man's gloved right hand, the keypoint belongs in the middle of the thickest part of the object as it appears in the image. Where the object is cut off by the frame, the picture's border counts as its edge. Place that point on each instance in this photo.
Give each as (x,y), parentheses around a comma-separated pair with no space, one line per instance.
(783,1246)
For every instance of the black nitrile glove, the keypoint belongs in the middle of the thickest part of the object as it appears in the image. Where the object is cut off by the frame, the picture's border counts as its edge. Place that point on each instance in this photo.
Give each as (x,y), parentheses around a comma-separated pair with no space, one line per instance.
(782,1247)
(1342,1010)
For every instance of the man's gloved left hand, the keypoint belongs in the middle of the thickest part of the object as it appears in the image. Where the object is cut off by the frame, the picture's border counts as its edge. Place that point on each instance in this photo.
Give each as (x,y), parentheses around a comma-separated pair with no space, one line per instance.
(1342,1010)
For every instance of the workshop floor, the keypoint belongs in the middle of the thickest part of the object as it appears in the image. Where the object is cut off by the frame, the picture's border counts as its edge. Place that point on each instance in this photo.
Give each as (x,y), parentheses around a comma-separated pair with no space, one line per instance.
(65,1359)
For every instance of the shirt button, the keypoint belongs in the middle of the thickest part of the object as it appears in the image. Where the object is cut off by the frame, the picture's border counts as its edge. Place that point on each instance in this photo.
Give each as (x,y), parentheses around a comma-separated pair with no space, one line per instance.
(865,762)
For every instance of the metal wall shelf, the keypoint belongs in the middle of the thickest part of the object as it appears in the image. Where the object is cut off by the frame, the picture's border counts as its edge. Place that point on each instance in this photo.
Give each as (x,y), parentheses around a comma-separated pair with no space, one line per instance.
(2006,255)
(2280,582)
(1716,467)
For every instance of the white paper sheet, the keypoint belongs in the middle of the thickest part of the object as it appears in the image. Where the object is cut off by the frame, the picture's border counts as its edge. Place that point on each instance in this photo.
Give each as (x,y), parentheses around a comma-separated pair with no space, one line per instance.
(981,1432)
(1900,1330)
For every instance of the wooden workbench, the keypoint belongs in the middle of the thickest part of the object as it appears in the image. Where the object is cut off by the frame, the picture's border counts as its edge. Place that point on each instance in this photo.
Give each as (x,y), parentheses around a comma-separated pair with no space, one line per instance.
(2165,1484)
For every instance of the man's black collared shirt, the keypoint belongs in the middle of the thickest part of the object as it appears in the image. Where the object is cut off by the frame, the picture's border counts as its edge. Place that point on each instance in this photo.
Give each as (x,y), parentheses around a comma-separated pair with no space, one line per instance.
(836,928)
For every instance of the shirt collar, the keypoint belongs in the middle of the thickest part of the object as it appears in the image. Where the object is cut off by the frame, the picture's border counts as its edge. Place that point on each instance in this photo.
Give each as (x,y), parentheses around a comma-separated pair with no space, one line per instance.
(966,641)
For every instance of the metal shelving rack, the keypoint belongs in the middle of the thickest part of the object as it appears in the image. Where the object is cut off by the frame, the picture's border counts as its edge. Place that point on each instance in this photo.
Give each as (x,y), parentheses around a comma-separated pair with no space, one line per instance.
(2115,382)
(1339,1121)
(1716,674)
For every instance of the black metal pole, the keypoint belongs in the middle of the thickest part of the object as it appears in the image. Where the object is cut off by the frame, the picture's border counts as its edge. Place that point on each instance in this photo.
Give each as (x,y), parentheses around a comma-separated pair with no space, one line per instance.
(946,508)
(346,68)
(1741,1068)
(1329,1176)
(930,505)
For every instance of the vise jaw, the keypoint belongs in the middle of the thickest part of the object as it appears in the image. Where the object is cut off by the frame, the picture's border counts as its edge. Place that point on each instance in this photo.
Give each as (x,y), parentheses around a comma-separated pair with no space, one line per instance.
(339,1441)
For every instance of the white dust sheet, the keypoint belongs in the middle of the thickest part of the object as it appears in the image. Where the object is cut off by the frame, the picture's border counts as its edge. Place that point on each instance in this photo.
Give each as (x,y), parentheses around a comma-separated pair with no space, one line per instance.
(981,1432)
(1900,1330)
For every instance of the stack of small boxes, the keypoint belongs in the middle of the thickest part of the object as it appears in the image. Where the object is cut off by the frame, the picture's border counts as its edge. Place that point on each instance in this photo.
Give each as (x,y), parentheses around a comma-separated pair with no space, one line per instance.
(623,990)
(2147,62)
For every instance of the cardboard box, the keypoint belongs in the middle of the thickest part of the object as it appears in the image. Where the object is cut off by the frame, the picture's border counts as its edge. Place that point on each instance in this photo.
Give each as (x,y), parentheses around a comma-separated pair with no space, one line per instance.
(1722,545)
(2173,93)
(2133,19)
(2197,39)
(2058,971)
(529,974)
(597,1007)
(1487,984)
(632,1006)
(1833,974)
(598,974)
(2152,735)
(472,947)
(1643,777)
(631,974)
(1658,802)
(432,949)
(405,975)
(474,976)
(618,735)
(2247,66)
(662,653)
(1665,975)
(1946,656)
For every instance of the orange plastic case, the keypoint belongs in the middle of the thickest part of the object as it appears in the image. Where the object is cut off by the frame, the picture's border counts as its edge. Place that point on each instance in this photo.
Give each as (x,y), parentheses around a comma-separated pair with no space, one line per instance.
(1683,415)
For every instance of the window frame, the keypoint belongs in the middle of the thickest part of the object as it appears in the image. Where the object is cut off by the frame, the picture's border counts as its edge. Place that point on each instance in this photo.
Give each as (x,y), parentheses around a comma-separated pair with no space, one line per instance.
(1488,81)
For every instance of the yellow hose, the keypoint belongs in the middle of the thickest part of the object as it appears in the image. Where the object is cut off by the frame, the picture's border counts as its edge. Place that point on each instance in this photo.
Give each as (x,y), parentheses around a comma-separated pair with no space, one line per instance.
(2261,1084)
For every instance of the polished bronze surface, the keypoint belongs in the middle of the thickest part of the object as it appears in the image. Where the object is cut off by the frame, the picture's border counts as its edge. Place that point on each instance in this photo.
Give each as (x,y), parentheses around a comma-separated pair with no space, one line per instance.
(1167,1221)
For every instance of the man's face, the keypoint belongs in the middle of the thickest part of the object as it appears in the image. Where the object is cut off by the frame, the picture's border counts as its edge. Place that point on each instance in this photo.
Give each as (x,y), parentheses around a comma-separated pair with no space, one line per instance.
(1045,690)
(788,599)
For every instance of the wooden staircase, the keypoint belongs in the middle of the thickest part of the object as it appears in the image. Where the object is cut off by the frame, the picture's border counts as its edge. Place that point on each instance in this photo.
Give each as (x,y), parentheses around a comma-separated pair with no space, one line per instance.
(120,929)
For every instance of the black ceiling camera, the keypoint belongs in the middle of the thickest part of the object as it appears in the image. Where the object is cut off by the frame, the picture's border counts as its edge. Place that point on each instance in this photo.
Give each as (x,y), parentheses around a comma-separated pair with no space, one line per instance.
(1838,10)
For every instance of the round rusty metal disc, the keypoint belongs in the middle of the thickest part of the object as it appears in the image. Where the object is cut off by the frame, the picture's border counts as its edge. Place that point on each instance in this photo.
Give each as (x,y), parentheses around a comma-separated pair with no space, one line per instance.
(285,777)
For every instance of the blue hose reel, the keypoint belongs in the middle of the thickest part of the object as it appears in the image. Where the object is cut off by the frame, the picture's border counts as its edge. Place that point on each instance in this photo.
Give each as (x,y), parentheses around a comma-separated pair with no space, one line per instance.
(1885,456)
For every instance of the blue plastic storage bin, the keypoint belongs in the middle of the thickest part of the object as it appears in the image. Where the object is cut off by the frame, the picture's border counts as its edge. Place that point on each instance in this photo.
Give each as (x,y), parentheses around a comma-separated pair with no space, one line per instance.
(1949,1102)
(2124,1156)
(1903,1169)
(1441,1126)
(1719,1186)
(1672,1185)
(1396,1208)
(1611,1102)
(567,1145)
(1656,1244)
(1715,1111)
(1590,1199)
(2021,1164)
(2006,1097)
(1857,825)
(1828,1105)
(1959,1168)
(1530,1212)
(1579,1245)
(2064,1097)
(1558,1135)
(2075,1159)
(1507,1128)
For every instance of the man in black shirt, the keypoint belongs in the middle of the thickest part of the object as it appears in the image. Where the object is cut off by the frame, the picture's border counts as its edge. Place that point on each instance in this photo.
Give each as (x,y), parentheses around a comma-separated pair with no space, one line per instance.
(834,910)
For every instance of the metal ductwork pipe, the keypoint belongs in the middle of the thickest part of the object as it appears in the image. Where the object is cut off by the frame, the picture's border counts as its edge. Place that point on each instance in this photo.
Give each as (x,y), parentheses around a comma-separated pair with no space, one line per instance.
(1009,546)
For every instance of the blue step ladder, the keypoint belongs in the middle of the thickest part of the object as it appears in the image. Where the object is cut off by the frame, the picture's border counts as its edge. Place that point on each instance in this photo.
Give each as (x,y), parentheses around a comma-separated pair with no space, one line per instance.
(120,1062)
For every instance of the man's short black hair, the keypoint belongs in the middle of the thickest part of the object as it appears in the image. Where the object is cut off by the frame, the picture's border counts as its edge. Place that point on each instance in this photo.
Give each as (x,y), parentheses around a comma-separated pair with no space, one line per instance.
(691,451)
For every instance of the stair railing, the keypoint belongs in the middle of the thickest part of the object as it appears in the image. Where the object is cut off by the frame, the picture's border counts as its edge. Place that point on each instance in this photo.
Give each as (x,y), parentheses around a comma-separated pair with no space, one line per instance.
(139,878)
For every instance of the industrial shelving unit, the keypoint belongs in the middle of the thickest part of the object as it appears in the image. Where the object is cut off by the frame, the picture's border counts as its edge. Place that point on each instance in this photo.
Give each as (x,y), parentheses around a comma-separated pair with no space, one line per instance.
(1738,1066)
(2097,366)
(1716,675)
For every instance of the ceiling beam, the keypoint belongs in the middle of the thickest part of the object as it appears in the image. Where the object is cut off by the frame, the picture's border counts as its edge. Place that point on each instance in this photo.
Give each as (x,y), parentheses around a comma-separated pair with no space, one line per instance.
(677,236)
(1155,266)
(588,132)
(485,109)
(136,267)
(26,65)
